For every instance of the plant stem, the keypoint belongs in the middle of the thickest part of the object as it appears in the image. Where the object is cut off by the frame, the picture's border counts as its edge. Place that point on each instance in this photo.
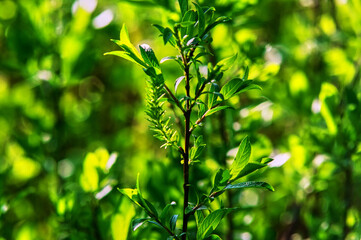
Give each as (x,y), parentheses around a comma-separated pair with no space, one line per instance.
(187,116)
(186,173)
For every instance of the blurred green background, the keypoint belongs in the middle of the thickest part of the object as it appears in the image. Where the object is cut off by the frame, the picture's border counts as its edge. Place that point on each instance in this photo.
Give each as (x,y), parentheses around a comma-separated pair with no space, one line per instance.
(73,128)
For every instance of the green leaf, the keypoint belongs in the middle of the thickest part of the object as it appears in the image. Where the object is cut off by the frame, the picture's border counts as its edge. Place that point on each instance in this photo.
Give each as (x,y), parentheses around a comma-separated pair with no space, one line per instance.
(159,27)
(226,63)
(213,237)
(167,35)
(221,179)
(201,19)
(173,222)
(216,109)
(164,214)
(132,194)
(188,22)
(148,55)
(250,184)
(248,85)
(212,98)
(127,46)
(231,87)
(250,168)
(210,223)
(266,160)
(177,82)
(136,223)
(219,20)
(149,208)
(183,4)
(242,158)
(127,56)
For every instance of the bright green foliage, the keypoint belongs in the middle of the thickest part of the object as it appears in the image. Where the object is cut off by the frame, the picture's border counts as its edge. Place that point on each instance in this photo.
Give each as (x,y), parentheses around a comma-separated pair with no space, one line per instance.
(73,126)
(190,37)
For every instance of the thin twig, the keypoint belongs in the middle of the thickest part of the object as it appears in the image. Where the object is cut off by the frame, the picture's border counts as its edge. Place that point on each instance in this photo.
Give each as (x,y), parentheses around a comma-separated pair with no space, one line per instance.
(171,95)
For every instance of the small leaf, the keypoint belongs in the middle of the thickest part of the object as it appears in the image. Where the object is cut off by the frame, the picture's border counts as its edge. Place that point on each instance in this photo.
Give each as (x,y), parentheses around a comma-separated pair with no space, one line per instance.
(148,55)
(148,207)
(159,27)
(167,35)
(127,56)
(213,237)
(173,222)
(165,212)
(188,22)
(167,59)
(155,223)
(183,4)
(266,160)
(226,63)
(201,19)
(210,223)
(242,158)
(216,109)
(219,20)
(231,87)
(212,98)
(220,180)
(250,168)
(177,82)
(136,223)
(132,194)
(199,217)
(250,184)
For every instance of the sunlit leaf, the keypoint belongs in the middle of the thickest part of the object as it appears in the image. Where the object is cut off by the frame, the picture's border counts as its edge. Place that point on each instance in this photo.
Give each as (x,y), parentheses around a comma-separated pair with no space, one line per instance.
(250,184)
(216,109)
(242,158)
(210,223)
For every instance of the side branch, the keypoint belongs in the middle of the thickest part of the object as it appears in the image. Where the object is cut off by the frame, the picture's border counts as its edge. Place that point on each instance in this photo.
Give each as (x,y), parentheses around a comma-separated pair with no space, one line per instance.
(171,95)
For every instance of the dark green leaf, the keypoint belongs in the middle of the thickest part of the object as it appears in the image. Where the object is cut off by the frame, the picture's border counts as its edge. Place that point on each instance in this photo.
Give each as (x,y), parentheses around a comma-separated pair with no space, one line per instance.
(164,214)
(159,27)
(136,223)
(250,184)
(218,21)
(201,19)
(167,35)
(183,4)
(173,222)
(148,55)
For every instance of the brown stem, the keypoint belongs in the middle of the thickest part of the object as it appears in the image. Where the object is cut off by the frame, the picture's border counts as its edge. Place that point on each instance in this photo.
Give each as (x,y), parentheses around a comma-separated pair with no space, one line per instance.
(202,118)
(171,95)
(187,116)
